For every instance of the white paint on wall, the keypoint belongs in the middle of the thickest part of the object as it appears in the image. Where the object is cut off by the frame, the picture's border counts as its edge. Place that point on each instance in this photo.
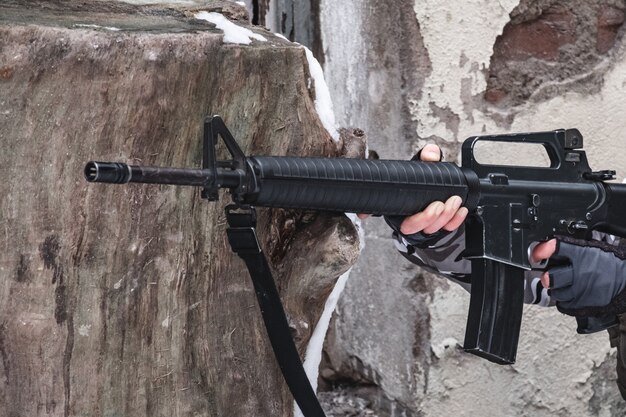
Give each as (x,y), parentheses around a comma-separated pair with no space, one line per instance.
(553,366)
(459,40)
(599,117)
(271,20)
(344,54)
(460,43)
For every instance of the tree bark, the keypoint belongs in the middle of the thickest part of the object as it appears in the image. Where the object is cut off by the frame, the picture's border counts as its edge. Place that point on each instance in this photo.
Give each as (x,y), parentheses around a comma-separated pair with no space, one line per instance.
(126,300)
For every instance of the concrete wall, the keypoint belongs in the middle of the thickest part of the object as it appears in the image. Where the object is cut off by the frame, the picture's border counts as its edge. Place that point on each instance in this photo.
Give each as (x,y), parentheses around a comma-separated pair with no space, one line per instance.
(412,72)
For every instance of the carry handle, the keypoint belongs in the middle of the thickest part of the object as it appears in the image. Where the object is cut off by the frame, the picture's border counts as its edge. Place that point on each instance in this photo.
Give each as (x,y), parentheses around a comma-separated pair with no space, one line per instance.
(568,161)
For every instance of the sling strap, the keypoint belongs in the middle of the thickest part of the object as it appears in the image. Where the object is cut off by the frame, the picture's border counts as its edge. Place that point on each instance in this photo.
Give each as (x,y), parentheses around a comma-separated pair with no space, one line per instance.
(244,242)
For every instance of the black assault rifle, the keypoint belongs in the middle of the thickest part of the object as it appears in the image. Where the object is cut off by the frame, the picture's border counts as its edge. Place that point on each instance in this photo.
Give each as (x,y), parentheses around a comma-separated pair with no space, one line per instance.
(510,208)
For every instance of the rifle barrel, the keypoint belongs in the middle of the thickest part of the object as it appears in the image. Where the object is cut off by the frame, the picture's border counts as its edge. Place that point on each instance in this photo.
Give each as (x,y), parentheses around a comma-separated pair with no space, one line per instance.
(120,173)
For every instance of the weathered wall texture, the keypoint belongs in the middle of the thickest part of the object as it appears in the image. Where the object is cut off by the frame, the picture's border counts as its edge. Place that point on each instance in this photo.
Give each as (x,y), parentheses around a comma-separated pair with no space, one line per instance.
(432,71)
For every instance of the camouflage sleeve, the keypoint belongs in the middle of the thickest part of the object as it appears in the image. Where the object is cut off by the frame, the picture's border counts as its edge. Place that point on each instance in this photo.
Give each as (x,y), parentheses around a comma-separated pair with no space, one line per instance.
(617,334)
(442,254)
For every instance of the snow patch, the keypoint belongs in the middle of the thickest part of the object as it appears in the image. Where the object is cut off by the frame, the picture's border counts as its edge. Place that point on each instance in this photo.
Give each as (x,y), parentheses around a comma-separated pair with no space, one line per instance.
(147,2)
(232,32)
(359,228)
(323,101)
(83,25)
(313,354)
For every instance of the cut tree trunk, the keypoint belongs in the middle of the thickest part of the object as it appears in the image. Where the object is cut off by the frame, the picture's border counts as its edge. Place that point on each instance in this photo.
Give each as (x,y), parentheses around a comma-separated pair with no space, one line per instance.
(126,300)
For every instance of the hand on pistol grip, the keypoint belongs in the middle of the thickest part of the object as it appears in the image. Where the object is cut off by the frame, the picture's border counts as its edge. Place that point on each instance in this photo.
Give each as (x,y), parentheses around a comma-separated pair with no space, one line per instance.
(585,277)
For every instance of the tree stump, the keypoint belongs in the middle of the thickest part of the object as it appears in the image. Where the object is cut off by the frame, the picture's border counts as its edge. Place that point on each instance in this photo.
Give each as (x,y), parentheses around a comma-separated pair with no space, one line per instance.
(126,300)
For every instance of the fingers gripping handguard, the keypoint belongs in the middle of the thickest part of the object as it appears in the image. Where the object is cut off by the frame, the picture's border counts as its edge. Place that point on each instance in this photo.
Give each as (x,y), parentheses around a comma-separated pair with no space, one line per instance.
(590,278)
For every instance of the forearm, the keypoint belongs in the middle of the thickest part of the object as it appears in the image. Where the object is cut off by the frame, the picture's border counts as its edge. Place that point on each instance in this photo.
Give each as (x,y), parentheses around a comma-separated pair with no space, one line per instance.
(442,255)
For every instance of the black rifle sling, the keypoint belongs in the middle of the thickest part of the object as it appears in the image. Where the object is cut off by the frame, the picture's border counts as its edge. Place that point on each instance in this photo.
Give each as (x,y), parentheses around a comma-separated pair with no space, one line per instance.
(243,240)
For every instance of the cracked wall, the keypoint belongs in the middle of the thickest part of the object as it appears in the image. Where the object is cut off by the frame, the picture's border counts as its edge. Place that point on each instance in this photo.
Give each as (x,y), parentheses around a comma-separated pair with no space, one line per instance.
(428,71)
(549,48)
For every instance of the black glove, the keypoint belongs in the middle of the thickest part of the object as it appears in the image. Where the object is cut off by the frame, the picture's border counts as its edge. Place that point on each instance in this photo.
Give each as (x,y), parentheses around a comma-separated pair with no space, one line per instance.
(419,239)
(590,277)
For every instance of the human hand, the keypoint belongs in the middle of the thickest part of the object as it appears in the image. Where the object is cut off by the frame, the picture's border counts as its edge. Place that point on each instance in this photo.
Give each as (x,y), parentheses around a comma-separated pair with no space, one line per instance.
(437,215)
(541,252)
(590,277)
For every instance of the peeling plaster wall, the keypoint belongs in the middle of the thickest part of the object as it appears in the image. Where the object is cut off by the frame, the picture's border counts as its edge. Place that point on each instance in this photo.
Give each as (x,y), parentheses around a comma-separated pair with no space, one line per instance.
(392,348)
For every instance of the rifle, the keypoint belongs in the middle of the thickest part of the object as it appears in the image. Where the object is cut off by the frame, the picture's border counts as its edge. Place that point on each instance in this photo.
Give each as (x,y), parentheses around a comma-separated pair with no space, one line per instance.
(511,207)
